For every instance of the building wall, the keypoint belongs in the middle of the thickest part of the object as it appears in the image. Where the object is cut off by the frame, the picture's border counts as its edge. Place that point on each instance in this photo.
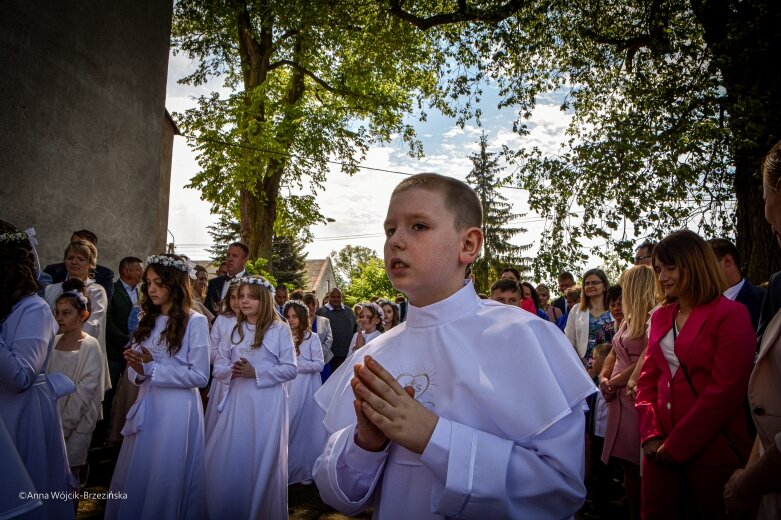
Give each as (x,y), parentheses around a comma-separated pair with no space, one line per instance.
(82,98)
(326,283)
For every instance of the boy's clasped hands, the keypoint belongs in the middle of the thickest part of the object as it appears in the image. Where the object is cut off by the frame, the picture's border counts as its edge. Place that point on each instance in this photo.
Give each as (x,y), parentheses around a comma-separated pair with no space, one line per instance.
(387,412)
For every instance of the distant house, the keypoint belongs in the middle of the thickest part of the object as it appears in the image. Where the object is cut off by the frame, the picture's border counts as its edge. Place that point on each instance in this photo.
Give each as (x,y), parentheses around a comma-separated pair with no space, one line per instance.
(320,277)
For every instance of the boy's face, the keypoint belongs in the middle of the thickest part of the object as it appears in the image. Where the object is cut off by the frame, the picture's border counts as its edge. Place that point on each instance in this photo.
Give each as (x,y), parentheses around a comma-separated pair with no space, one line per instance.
(506,297)
(424,253)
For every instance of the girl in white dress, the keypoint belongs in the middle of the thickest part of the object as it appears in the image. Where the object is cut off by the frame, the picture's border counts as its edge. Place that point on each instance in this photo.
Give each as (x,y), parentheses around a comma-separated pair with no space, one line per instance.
(28,396)
(221,328)
(160,469)
(81,258)
(371,319)
(246,454)
(77,355)
(307,433)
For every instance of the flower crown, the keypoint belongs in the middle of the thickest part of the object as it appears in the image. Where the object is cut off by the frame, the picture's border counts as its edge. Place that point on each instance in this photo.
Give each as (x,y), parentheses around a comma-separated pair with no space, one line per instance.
(17,236)
(376,307)
(257,280)
(166,261)
(299,303)
(79,297)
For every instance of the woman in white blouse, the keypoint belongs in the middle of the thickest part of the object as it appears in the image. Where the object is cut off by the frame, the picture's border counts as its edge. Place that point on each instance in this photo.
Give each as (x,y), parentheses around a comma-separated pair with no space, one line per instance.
(81,258)
(322,326)
(586,319)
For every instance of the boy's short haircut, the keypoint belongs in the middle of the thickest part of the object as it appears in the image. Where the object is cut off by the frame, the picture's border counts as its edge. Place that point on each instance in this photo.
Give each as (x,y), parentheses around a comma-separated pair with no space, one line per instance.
(505,284)
(573,293)
(460,199)
(613,293)
(566,275)
(602,350)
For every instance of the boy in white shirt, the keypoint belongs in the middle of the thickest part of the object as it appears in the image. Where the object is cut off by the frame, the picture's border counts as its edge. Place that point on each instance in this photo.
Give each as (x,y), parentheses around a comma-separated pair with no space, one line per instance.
(469,408)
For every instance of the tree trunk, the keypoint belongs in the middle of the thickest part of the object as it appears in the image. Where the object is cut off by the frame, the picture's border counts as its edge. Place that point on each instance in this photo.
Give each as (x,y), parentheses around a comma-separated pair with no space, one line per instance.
(258,207)
(745,43)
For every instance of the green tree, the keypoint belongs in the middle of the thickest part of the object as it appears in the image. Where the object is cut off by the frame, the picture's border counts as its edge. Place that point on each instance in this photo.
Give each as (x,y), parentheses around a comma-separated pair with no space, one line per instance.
(370,279)
(223,233)
(309,82)
(289,262)
(674,104)
(498,252)
(348,260)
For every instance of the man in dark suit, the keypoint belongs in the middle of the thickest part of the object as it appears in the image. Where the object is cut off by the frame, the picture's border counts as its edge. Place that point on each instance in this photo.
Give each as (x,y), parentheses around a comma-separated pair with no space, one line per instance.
(566,280)
(103,275)
(235,260)
(119,306)
(739,289)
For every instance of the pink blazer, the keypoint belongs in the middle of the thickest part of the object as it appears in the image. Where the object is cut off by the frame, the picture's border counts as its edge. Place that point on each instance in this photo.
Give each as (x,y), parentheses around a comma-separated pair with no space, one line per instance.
(716,345)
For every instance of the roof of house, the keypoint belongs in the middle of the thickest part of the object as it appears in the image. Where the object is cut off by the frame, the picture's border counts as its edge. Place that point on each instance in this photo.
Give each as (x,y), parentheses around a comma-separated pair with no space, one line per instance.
(315,270)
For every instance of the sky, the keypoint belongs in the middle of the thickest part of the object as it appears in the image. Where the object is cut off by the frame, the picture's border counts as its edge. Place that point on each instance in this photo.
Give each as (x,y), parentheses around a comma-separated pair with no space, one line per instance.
(358,203)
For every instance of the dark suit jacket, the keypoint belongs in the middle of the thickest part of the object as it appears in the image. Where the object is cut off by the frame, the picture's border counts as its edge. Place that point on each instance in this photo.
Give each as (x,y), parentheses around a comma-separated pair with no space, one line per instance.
(771,303)
(751,297)
(716,345)
(561,304)
(103,275)
(117,336)
(214,293)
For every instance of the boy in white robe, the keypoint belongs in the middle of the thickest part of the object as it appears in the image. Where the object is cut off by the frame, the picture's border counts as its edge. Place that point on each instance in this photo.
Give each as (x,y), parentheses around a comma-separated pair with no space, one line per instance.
(495,428)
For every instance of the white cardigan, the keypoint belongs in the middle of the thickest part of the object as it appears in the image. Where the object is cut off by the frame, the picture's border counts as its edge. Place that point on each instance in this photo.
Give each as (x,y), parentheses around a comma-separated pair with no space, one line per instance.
(577,329)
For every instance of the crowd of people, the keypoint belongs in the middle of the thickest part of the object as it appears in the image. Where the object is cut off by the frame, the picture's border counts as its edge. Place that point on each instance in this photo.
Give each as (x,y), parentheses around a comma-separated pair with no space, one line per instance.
(660,387)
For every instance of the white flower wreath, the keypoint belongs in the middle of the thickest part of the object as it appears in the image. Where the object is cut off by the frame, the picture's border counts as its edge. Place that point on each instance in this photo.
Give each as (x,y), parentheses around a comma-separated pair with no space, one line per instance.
(257,280)
(376,307)
(166,261)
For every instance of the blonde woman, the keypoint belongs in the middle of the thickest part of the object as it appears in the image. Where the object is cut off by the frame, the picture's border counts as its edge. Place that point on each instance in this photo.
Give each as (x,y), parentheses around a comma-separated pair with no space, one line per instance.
(81,259)
(622,439)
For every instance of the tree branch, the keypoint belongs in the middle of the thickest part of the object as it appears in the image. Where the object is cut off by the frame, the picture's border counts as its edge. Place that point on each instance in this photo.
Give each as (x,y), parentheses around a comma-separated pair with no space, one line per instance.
(327,86)
(464,13)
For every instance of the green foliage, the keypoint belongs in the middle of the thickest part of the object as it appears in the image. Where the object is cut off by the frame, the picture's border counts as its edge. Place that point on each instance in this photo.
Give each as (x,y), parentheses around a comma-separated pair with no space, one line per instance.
(223,233)
(498,252)
(289,262)
(360,272)
(370,279)
(257,267)
(347,261)
(306,83)
(672,106)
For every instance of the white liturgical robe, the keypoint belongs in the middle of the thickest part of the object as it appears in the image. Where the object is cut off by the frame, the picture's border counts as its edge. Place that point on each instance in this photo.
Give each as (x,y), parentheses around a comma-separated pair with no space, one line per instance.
(508,388)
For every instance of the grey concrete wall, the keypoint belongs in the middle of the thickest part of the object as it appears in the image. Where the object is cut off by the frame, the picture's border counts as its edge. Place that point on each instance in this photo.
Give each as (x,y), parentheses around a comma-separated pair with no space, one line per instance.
(82,109)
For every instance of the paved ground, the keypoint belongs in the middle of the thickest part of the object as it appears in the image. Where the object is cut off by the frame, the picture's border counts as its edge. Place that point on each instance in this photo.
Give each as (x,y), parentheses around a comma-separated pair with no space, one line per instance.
(304,501)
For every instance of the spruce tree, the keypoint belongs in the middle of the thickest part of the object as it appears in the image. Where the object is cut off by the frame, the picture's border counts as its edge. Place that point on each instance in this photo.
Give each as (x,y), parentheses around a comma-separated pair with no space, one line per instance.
(289,262)
(498,252)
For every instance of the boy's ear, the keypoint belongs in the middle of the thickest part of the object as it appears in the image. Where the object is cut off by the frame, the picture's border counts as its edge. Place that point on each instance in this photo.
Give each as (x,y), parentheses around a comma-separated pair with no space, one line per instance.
(471,242)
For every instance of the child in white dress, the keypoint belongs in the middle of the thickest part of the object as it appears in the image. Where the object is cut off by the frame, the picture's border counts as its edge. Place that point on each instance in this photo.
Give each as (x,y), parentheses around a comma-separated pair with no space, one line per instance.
(371,319)
(307,434)
(221,328)
(77,355)
(160,469)
(246,454)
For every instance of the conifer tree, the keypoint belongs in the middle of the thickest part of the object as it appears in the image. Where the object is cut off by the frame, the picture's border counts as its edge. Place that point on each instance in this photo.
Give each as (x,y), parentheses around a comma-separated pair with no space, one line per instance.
(498,251)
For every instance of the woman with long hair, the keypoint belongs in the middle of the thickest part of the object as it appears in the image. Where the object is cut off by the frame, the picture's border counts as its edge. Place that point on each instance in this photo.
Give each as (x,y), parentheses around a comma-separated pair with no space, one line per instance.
(160,469)
(28,397)
(543,303)
(622,439)
(587,318)
(692,384)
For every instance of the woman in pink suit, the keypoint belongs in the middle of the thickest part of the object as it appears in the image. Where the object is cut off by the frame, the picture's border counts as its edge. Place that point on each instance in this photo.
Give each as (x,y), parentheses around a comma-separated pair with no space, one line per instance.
(622,440)
(692,385)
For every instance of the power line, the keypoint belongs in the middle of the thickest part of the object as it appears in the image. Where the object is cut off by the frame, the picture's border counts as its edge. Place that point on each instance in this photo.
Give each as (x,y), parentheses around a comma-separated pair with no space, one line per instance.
(296,156)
